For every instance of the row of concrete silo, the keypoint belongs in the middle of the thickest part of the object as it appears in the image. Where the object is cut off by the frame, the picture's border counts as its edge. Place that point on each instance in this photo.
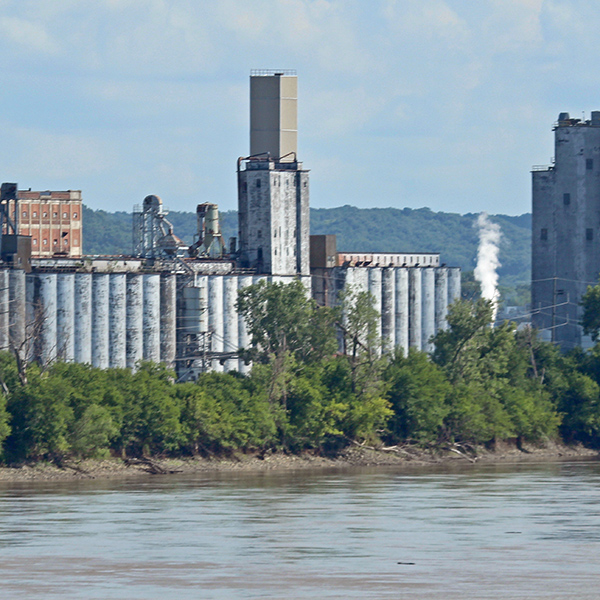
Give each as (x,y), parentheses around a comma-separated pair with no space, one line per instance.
(413,302)
(117,319)
(104,319)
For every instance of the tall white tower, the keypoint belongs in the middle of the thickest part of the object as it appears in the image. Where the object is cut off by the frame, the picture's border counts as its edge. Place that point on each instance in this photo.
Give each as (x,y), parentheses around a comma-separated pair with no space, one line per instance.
(273,193)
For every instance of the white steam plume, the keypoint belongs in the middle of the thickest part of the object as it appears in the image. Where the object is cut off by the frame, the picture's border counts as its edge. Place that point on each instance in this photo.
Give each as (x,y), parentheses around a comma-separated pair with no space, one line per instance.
(487,259)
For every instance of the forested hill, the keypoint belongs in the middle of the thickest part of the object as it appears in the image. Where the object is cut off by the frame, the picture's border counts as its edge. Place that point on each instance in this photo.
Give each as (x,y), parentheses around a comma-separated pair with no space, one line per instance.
(358,229)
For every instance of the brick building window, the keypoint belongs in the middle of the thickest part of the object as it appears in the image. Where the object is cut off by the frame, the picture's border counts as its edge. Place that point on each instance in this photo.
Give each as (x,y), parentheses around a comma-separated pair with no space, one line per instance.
(45,214)
(55,215)
(45,242)
(566,199)
(65,215)
(589,234)
(24,214)
(35,213)
(544,234)
(34,242)
(74,215)
(589,163)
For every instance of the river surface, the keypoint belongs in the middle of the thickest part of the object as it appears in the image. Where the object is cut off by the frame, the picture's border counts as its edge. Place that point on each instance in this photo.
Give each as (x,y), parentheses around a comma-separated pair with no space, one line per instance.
(474,532)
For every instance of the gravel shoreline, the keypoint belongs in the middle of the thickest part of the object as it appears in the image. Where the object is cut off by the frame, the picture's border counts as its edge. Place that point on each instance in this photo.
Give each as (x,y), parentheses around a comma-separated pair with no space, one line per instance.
(402,457)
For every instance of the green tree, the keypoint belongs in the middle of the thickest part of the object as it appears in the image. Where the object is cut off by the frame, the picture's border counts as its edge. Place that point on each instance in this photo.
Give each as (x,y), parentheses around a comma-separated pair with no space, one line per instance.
(591,311)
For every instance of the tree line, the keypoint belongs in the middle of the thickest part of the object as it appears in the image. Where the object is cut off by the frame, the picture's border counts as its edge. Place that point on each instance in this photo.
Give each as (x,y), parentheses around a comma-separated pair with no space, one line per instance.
(318,383)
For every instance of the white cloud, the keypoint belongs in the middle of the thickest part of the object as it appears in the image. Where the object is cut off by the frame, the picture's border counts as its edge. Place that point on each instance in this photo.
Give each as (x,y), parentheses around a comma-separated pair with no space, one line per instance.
(29,36)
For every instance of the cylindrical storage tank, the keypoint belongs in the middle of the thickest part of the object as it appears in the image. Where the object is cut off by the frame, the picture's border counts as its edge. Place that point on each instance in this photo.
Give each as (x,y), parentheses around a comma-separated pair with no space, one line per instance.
(375,277)
(100,322)
(168,327)
(361,279)
(441,298)
(202,283)
(18,302)
(243,335)
(65,316)
(454,287)
(118,321)
(415,338)
(83,318)
(428,308)
(402,311)
(388,310)
(135,320)
(152,317)
(47,298)
(4,310)
(230,320)
(33,341)
(215,317)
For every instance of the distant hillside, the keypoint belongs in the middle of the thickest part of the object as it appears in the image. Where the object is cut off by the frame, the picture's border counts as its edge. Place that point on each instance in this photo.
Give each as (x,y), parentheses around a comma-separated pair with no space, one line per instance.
(360,229)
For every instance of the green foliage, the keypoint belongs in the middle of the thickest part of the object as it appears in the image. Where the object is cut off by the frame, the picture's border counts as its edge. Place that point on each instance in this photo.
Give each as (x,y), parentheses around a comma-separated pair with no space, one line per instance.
(281,318)
(417,391)
(591,311)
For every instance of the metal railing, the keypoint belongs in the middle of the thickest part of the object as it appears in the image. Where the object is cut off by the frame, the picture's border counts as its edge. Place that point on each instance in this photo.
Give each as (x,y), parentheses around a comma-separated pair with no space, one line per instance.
(266,72)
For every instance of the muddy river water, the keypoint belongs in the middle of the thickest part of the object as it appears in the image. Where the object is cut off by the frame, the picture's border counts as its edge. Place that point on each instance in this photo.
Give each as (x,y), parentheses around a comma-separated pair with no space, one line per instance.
(469,532)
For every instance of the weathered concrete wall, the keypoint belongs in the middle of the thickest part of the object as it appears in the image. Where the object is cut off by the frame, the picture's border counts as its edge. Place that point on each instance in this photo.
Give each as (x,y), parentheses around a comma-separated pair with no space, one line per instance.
(566,230)
(65,317)
(83,318)
(428,309)
(118,321)
(135,320)
(168,325)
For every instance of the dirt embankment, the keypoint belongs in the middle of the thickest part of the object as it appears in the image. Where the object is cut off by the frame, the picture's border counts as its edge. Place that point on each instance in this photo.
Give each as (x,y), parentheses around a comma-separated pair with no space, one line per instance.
(355,456)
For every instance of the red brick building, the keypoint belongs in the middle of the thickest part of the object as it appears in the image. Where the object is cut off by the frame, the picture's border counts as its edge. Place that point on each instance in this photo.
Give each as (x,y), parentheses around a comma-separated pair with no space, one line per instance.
(53,220)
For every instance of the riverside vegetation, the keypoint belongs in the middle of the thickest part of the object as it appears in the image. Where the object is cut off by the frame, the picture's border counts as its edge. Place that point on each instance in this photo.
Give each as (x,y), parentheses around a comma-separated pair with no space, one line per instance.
(481,384)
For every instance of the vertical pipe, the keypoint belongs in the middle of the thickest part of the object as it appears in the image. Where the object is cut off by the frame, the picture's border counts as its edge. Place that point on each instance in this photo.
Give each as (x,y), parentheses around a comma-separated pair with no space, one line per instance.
(243,334)
(402,311)
(215,317)
(414,308)
(4,310)
(168,332)
(453,284)
(65,316)
(17,302)
(230,320)
(388,310)
(118,321)
(441,299)
(428,308)
(83,318)
(48,317)
(374,283)
(100,323)
(152,317)
(135,320)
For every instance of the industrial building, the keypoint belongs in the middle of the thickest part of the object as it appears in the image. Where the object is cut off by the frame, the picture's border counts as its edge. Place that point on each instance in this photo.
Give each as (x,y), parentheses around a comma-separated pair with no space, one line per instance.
(174,303)
(566,230)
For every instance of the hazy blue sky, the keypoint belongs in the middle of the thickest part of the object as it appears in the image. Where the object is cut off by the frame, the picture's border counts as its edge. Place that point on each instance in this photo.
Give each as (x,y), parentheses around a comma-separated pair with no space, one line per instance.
(438,103)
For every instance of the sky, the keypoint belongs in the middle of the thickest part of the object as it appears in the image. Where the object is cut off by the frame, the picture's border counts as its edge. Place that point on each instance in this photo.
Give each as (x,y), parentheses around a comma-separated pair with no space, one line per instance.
(444,104)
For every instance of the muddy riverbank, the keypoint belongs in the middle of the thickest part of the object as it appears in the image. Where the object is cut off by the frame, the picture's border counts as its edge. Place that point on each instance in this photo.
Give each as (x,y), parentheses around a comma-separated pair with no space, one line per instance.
(407,457)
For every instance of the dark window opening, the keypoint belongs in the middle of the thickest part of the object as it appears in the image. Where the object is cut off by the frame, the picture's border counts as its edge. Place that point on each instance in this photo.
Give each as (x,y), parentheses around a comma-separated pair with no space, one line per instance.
(589,234)
(566,199)
(259,254)
(589,163)
(544,234)
(258,183)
